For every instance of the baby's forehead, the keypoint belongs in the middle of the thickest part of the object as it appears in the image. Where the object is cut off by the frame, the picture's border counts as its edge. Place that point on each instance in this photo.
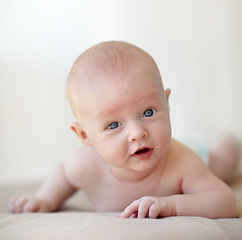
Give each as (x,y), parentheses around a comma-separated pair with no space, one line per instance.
(106,61)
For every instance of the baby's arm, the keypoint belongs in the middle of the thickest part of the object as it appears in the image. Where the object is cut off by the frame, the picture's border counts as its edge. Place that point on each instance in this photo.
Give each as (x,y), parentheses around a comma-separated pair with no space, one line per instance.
(203,195)
(50,196)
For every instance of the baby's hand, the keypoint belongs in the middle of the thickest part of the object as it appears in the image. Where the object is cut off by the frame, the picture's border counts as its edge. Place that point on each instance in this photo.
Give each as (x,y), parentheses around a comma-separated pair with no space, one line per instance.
(27,204)
(151,207)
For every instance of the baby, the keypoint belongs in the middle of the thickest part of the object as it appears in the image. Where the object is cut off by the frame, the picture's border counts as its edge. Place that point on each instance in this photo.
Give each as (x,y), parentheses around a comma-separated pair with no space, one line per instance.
(130,163)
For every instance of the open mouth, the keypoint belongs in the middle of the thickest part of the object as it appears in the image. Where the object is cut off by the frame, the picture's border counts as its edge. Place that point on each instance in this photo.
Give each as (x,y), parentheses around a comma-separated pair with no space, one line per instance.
(143,153)
(144,150)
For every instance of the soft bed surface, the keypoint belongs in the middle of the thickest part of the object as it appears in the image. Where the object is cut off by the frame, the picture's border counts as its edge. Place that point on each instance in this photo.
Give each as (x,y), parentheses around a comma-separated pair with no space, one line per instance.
(76,220)
(106,226)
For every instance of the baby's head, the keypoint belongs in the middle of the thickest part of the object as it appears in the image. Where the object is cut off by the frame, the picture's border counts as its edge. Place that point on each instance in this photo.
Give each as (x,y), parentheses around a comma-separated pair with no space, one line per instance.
(109,86)
(106,63)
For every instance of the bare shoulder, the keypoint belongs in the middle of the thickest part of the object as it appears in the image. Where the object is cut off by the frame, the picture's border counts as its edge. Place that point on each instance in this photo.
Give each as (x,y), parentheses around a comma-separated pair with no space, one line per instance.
(194,174)
(182,156)
(182,161)
(80,164)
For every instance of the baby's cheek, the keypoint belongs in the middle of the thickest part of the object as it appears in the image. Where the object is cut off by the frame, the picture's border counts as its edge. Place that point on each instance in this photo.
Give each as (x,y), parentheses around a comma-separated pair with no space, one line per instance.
(164,135)
(114,148)
(117,153)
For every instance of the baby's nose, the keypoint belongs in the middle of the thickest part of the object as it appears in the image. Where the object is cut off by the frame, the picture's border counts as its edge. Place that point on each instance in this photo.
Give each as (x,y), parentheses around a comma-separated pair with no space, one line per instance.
(137,133)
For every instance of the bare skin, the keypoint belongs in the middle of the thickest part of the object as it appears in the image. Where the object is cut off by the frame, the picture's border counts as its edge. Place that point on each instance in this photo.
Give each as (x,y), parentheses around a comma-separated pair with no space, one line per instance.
(224,158)
(130,163)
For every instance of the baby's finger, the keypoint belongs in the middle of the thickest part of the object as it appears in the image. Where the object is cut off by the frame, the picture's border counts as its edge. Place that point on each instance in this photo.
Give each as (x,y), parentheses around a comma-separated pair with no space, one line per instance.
(155,210)
(19,204)
(130,210)
(32,205)
(162,208)
(144,207)
(11,204)
(135,215)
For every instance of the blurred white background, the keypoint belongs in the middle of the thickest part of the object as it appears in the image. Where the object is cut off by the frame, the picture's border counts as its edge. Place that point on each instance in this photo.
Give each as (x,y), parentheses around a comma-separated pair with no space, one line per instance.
(196,44)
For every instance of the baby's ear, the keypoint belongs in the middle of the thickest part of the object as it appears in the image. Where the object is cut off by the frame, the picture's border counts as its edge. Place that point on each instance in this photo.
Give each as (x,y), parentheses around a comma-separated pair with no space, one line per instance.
(168,92)
(75,127)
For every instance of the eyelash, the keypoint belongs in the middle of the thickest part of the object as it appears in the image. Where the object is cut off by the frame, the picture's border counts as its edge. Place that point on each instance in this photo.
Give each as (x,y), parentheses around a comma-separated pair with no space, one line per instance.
(115,125)
(112,125)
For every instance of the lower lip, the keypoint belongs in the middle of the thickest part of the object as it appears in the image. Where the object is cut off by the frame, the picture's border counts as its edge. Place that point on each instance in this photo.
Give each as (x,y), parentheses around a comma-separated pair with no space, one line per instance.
(144,155)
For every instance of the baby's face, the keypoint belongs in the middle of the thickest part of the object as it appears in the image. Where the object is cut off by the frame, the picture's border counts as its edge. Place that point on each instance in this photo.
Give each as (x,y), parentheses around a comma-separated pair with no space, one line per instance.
(127,119)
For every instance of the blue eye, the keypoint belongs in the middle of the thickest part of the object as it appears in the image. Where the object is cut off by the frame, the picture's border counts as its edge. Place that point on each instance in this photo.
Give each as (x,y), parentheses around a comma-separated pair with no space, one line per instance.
(149,113)
(113,125)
